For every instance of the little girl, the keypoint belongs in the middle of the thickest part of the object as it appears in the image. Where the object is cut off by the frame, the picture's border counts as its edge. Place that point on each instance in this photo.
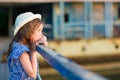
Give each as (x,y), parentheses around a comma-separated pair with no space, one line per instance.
(22,60)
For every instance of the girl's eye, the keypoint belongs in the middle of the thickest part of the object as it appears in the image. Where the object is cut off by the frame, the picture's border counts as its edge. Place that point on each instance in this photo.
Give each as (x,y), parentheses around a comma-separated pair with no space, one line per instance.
(39,30)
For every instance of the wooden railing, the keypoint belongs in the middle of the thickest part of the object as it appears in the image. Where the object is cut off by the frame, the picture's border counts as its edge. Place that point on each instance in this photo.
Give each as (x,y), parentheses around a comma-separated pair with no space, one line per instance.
(66,67)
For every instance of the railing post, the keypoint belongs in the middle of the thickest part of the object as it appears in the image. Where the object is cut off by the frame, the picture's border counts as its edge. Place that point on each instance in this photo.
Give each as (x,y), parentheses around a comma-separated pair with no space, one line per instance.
(88,19)
(108,19)
(62,6)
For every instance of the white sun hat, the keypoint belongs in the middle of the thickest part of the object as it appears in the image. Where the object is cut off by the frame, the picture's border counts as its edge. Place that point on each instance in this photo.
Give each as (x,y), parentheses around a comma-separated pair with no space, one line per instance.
(24,18)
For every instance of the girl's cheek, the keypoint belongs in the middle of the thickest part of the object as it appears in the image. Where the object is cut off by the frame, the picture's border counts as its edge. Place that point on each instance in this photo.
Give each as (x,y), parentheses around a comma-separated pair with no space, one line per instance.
(41,34)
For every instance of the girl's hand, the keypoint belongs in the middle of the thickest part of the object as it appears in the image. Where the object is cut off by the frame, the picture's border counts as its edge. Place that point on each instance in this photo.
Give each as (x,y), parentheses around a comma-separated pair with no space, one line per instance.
(32,45)
(42,41)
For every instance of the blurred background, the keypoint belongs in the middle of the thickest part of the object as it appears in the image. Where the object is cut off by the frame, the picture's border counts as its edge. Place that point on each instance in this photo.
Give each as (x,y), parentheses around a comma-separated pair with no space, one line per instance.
(85,31)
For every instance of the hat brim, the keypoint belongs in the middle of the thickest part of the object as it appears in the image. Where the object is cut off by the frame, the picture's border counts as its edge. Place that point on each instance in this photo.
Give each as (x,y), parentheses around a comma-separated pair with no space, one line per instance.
(35,16)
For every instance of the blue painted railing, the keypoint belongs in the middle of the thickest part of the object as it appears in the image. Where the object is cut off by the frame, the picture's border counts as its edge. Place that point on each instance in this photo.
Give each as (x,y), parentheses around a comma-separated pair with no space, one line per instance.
(67,68)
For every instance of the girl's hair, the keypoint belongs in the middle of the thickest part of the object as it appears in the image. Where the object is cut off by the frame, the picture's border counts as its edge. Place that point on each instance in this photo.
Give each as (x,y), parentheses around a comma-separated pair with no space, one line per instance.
(24,34)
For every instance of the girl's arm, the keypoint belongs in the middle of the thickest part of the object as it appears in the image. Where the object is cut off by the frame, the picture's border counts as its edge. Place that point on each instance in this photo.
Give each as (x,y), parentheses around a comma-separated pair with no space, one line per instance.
(29,66)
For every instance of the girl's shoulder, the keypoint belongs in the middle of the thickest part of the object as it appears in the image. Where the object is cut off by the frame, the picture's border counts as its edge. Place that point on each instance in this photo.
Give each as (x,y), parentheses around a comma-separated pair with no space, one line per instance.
(20,46)
(18,49)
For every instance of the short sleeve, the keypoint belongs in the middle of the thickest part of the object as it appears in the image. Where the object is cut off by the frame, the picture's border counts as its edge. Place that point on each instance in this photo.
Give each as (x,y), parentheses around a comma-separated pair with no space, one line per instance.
(18,49)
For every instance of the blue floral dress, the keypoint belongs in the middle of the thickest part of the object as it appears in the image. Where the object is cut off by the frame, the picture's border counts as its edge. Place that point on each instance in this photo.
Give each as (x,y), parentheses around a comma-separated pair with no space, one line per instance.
(15,67)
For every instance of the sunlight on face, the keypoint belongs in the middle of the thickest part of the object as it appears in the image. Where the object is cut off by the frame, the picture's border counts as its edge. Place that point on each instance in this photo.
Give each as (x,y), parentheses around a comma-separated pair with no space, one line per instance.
(38,33)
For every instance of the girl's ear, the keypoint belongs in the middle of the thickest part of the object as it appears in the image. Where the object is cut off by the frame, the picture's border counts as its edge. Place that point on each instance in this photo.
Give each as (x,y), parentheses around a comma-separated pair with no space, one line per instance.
(31,39)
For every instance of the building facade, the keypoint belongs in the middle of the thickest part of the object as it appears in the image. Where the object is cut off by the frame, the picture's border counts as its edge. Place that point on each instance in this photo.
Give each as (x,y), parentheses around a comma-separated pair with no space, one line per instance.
(66,19)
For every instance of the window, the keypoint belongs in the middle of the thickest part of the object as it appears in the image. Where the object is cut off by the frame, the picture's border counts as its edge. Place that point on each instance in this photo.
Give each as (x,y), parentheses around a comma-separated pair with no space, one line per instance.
(66,17)
(3,21)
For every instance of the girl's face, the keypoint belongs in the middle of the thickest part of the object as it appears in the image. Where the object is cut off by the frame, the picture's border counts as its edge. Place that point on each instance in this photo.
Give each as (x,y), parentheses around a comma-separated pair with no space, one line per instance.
(37,34)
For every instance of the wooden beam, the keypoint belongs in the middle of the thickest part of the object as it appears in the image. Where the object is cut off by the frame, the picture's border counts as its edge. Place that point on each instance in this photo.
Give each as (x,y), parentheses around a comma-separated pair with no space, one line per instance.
(53,1)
